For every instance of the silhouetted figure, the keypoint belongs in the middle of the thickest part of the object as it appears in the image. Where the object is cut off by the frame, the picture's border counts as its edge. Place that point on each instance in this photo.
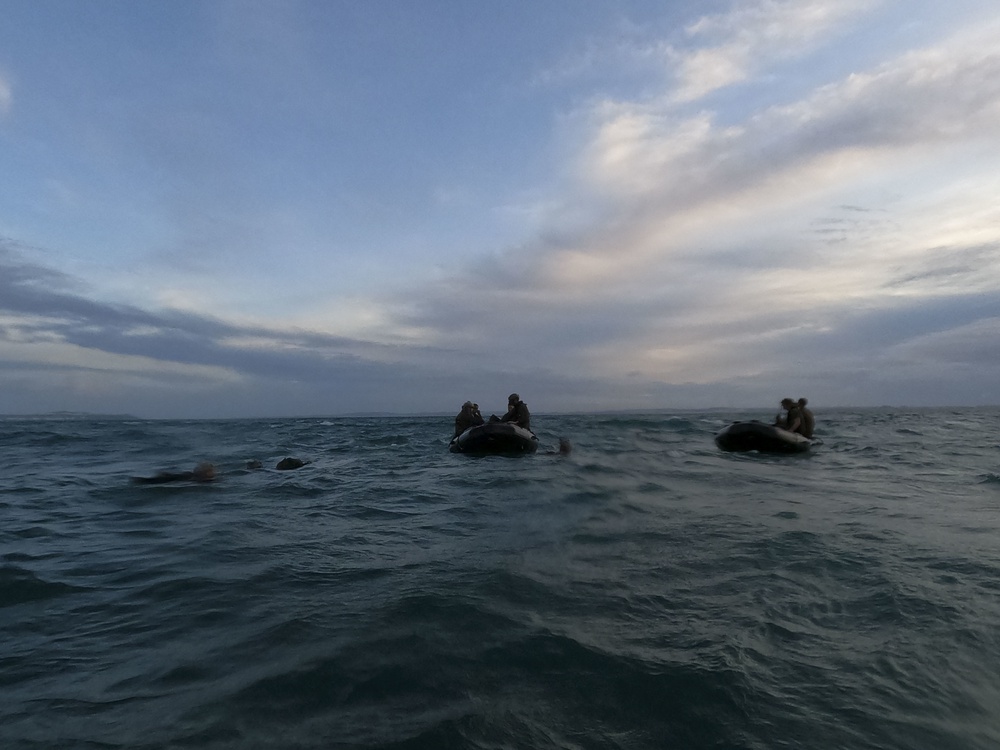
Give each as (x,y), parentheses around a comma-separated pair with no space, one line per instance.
(468,417)
(517,412)
(806,422)
(797,417)
(783,420)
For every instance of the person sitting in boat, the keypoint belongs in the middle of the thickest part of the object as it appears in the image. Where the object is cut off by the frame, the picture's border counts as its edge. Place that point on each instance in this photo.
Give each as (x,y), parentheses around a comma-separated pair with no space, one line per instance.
(798,418)
(784,420)
(468,417)
(517,412)
(804,423)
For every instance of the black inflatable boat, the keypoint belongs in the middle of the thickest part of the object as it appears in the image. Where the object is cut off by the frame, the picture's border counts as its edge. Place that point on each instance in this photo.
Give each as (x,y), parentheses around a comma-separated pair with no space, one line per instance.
(495,437)
(757,436)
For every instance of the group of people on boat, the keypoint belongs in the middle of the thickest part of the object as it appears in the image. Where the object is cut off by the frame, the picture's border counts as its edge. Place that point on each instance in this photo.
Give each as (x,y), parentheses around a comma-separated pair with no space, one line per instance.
(517,414)
(470,416)
(796,417)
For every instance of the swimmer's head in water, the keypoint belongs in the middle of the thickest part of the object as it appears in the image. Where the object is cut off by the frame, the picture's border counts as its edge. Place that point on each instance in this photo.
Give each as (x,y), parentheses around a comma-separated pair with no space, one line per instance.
(203,472)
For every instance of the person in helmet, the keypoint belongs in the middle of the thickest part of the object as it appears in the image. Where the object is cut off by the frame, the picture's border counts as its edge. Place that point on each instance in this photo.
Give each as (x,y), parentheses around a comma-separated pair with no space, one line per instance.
(517,412)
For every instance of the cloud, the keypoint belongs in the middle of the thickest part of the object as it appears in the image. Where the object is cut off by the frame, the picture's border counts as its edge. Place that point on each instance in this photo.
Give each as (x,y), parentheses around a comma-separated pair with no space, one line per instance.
(6,94)
(942,94)
(672,175)
(713,52)
(753,36)
(973,345)
(629,52)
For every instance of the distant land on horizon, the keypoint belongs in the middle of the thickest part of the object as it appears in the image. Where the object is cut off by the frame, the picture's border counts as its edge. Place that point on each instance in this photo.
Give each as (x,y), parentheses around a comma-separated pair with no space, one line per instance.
(83,415)
(68,415)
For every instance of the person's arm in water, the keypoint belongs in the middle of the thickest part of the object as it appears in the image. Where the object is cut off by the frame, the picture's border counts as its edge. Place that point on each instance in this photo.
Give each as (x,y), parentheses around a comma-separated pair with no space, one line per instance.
(203,472)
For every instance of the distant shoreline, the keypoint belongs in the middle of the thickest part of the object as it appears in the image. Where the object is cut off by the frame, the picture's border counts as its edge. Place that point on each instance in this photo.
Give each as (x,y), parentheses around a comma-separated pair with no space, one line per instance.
(69,415)
(662,411)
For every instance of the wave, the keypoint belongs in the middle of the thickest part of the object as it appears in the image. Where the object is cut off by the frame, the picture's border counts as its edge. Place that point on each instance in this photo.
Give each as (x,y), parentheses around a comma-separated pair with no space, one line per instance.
(19,585)
(451,670)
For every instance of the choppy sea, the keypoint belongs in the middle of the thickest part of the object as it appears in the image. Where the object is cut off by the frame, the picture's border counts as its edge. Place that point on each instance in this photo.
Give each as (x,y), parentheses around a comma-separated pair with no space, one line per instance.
(645,591)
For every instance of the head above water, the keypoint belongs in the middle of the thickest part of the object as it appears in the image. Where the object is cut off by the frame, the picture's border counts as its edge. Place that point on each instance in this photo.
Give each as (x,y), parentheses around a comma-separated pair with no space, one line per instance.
(513,398)
(787,402)
(203,472)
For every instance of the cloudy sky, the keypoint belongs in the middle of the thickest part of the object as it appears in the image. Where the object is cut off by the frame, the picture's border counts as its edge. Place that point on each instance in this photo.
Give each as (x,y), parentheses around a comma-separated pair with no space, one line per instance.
(257,208)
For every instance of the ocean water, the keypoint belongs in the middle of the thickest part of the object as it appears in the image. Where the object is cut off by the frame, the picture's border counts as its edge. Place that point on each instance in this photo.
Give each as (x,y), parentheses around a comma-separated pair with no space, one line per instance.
(646,591)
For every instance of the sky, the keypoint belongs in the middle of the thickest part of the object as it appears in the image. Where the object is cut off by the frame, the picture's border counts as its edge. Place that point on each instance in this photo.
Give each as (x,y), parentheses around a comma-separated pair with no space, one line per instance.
(235,208)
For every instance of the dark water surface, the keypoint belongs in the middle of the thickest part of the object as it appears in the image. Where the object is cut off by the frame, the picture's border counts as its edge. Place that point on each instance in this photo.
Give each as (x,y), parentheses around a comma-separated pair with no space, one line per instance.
(647,591)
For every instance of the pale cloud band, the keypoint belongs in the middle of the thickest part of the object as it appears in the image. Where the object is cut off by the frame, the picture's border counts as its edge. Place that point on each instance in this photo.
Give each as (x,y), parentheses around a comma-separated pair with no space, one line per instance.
(755,35)
(6,94)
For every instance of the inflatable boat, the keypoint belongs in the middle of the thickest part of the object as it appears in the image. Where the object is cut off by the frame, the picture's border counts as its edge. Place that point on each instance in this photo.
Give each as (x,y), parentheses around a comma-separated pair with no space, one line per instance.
(757,436)
(495,437)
